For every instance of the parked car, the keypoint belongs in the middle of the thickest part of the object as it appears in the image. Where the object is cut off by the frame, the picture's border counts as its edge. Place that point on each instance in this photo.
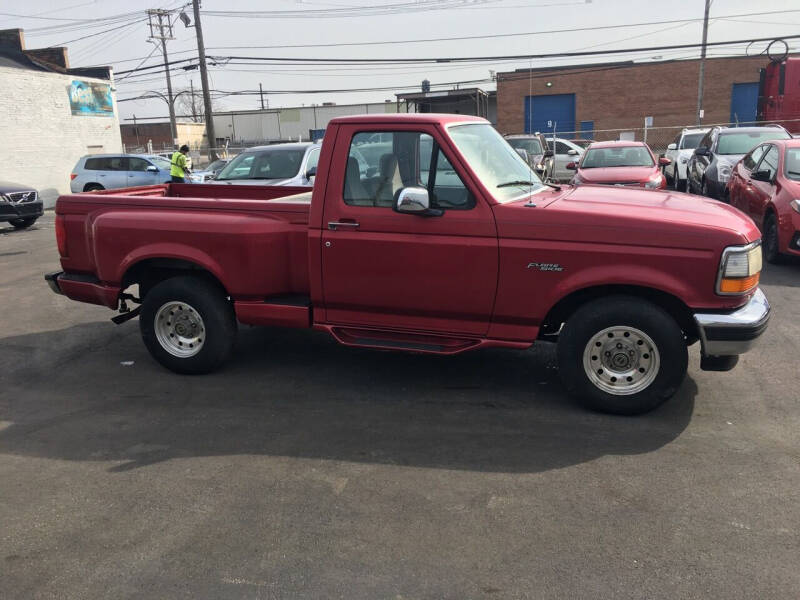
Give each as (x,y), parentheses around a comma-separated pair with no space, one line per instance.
(209,173)
(766,186)
(112,171)
(536,152)
(679,152)
(20,205)
(621,164)
(710,166)
(581,142)
(622,279)
(565,152)
(281,164)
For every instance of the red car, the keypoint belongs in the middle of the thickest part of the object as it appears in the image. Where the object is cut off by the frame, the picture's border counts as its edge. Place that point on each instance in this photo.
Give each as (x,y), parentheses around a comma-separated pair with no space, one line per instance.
(620,163)
(765,184)
(437,239)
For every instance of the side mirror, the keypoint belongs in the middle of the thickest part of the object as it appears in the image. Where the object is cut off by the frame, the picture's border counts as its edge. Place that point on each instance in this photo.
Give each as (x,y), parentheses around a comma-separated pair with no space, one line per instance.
(152,169)
(672,146)
(762,175)
(523,153)
(572,166)
(701,151)
(311,172)
(415,201)
(664,161)
(572,152)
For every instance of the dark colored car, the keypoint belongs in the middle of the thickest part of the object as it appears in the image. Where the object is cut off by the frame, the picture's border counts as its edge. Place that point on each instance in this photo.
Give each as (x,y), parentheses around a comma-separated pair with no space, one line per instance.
(536,153)
(766,186)
(721,148)
(20,205)
(620,163)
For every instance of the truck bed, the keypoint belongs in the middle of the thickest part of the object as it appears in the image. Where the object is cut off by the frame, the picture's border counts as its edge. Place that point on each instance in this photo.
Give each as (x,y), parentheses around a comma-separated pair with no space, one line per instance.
(254,240)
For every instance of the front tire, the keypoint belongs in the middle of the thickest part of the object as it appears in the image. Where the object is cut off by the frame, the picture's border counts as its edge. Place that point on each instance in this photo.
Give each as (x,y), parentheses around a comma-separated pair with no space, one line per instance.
(771,246)
(188,325)
(622,355)
(23,223)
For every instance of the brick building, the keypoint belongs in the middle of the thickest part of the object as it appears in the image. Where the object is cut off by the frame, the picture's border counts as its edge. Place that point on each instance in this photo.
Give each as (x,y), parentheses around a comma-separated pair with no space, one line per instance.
(157,137)
(582,100)
(50,109)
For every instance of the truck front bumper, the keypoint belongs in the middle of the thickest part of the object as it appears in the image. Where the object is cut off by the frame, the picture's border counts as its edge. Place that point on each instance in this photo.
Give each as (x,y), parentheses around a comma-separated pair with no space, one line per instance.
(734,333)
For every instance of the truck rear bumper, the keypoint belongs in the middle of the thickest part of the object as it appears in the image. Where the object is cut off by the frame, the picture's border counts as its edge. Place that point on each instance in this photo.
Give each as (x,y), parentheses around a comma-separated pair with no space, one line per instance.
(83,288)
(734,333)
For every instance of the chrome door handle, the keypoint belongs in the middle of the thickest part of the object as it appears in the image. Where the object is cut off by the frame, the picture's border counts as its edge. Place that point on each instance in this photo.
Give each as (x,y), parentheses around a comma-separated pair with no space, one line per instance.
(334,225)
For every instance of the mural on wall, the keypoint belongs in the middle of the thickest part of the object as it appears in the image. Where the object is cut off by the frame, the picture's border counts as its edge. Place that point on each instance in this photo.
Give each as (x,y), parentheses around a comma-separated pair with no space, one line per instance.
(88,98)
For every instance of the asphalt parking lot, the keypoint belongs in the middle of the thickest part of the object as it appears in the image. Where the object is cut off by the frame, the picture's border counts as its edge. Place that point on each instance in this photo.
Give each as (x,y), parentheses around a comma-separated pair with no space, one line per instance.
(310,470)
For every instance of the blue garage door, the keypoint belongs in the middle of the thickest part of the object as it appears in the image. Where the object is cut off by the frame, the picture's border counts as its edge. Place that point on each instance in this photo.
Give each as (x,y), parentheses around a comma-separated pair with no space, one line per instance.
(543,113)
(744,98)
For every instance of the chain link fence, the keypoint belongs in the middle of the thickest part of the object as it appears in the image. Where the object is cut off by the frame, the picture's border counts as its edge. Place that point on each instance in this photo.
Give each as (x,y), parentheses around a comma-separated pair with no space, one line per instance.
(658,138)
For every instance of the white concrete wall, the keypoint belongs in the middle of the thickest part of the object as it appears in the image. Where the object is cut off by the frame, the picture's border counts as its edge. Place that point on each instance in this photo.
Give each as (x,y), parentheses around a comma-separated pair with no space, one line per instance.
(41,140)
(288,123)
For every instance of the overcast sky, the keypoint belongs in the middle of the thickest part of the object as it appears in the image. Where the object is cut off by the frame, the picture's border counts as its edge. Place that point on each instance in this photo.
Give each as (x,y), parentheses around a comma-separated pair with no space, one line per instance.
(125,45)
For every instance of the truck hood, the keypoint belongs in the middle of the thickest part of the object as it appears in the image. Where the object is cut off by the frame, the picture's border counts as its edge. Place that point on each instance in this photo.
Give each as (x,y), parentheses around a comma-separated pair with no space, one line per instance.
(626,215)
(616,174)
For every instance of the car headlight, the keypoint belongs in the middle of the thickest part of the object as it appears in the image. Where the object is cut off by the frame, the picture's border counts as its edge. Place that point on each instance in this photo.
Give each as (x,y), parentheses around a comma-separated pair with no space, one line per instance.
(795,204)
(684,160)
(739,269)
(3,198)
(724,172)
(654,182)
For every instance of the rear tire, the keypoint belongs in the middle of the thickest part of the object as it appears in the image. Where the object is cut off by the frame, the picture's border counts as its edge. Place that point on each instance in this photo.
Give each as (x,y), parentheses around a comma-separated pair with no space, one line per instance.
(93,187)
(770,245)
(23,223)
(188,325)
(622,355)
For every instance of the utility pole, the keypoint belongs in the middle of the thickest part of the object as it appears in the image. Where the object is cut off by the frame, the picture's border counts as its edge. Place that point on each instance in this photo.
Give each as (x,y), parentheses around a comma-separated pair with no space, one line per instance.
(194,106)
(702,65)
(160,20)
(261,93)
(201,52)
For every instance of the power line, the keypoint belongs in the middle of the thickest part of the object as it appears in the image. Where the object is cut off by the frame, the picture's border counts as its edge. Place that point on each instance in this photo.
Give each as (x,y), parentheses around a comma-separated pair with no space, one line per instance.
(97,33)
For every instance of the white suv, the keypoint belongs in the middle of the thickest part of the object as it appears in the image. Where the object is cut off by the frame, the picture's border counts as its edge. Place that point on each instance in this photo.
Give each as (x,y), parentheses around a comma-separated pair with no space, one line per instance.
(565,152)
(679,152)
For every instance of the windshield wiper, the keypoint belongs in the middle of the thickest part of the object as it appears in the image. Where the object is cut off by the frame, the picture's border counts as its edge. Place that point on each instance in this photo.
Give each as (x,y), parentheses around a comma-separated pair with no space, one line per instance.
(517,182)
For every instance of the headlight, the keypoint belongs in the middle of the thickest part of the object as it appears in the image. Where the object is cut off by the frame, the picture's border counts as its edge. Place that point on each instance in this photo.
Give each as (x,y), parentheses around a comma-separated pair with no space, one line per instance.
(795,204)
(654,182)
(3,198)
(724,172)
(684,160)
(739,269)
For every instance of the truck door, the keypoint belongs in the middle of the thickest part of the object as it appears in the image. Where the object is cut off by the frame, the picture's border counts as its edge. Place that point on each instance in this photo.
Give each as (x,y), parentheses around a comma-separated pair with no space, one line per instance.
(381,268)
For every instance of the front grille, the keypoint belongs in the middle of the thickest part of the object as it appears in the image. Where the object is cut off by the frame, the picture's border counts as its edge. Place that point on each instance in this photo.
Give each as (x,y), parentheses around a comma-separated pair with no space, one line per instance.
(22,197)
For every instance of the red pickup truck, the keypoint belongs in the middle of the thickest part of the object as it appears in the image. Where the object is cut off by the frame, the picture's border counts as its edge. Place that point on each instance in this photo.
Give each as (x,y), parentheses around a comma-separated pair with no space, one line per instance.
(428,233)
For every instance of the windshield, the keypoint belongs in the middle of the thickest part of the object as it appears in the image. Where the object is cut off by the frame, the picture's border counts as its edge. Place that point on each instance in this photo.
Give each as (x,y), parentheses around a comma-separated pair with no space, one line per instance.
(691,141)
(618,156)
(532,145)
(743,142)
(792,163)
(160,162)
(274,163)
(216,165)
(496,164)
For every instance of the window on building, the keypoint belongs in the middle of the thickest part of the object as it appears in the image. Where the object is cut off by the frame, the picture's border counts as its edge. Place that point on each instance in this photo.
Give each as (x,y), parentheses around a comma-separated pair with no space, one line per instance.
(379,165)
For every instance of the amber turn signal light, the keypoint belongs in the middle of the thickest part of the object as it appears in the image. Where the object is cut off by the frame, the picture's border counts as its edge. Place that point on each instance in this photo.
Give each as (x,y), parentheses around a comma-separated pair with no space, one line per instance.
(738,285)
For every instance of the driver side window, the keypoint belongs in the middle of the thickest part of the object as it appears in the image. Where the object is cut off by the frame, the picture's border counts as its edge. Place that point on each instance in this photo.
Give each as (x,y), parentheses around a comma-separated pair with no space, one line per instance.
(379,164)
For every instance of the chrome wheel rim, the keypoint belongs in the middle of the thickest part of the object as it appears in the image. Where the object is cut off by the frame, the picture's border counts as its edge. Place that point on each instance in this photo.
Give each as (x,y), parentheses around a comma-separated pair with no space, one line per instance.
(621,360)
(180,329)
